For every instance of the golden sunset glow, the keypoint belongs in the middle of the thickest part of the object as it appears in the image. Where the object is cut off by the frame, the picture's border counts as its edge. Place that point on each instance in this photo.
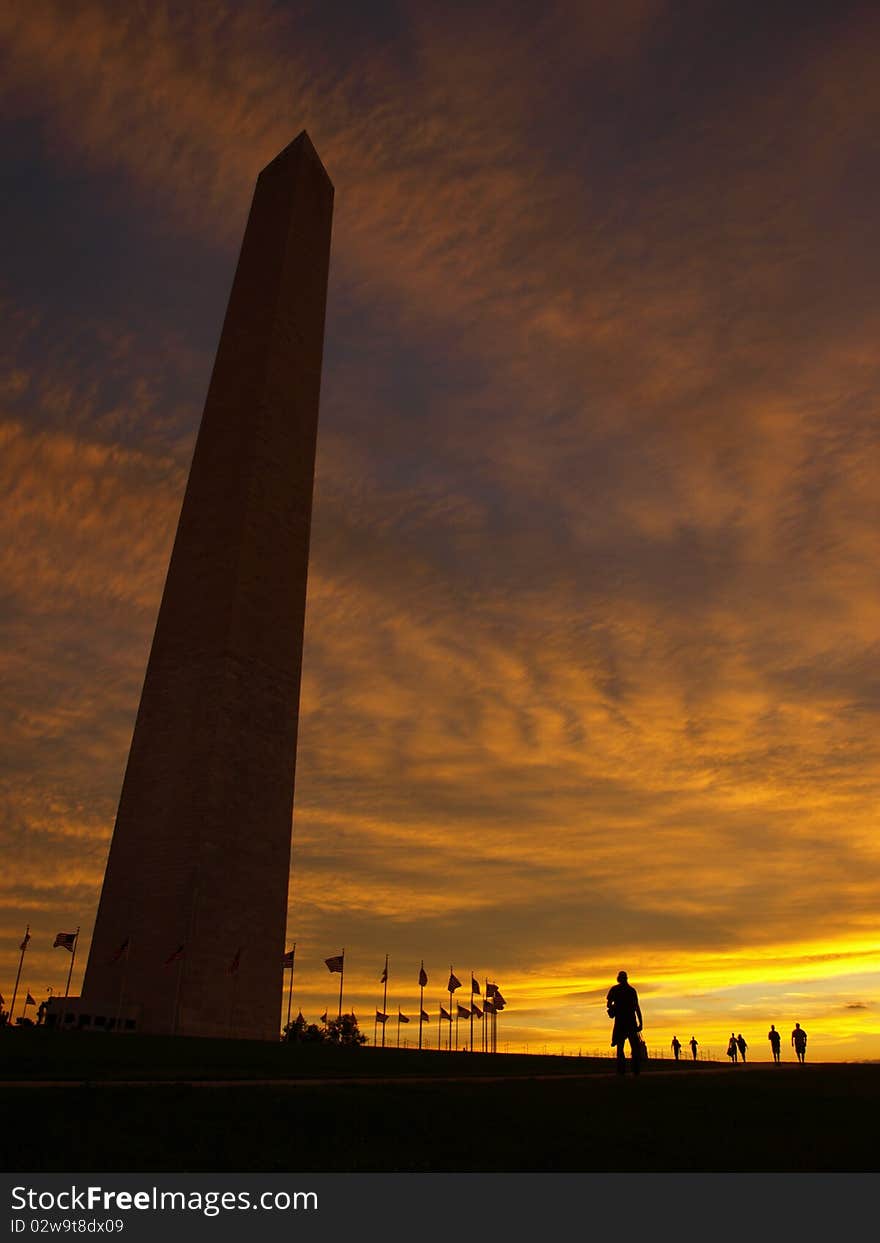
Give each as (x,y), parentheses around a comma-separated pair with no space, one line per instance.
(591,661)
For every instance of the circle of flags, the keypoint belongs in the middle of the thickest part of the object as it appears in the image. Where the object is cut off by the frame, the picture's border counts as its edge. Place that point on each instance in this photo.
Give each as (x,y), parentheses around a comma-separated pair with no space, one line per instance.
(492,1000)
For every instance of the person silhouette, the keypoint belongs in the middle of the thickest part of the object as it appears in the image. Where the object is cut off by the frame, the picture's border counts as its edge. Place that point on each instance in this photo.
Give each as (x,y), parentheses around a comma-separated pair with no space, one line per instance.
(775,1041)
(693,1044)
(799,1040)
(732,1048)
(741,1045)
(623,1006)
(676,1047)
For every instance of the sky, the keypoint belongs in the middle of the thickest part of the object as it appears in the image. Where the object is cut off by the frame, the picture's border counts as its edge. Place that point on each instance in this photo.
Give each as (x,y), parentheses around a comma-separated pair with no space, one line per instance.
(590,676)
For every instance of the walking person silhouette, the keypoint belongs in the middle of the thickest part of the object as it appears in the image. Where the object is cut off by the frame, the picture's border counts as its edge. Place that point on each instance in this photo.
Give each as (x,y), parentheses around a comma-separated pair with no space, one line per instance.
(623,1007)
(799,1040)
(741,1045)
(732,1048)
(676,1047)
(693,1044)
(775,1041)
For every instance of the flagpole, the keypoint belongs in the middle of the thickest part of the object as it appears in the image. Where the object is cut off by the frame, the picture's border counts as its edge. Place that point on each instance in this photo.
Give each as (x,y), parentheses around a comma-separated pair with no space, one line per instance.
(471,1046)
(177,992)
(440,1030)
(290,989)
(375,1031)
(341,978)
(385,1003)
(22,947)
(421,1003)
(485,1020)
(449,1041)
(187,946)
(122,985)
(398,1027)
(72,957)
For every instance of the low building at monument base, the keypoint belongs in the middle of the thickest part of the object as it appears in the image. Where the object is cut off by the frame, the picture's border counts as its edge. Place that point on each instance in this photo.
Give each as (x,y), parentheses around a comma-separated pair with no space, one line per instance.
(77,1014)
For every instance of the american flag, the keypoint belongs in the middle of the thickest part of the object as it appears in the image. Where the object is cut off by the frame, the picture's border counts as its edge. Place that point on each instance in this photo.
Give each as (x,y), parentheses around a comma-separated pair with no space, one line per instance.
(335,964)
(66,940)
(122,949)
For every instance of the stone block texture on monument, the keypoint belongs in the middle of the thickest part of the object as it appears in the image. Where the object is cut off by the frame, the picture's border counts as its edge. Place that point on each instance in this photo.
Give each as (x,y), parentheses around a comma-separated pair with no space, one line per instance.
(200,853)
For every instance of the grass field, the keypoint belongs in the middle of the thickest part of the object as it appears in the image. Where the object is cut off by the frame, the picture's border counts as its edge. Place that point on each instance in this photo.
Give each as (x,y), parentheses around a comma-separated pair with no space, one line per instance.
(39,1054)
(386,1110)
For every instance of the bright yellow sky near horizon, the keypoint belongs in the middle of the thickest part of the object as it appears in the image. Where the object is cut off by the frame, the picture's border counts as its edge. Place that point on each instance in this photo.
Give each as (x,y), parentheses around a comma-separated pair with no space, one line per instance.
(591,665)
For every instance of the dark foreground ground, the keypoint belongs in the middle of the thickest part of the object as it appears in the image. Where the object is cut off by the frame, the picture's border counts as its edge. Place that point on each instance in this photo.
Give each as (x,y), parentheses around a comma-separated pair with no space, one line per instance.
(382,1110)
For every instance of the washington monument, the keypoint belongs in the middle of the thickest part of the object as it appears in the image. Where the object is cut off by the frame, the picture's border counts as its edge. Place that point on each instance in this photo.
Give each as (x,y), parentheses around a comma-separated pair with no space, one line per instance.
(191,923)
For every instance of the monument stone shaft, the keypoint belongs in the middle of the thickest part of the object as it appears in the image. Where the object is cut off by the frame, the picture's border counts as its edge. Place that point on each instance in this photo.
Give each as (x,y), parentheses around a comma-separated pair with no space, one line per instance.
(200,854)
